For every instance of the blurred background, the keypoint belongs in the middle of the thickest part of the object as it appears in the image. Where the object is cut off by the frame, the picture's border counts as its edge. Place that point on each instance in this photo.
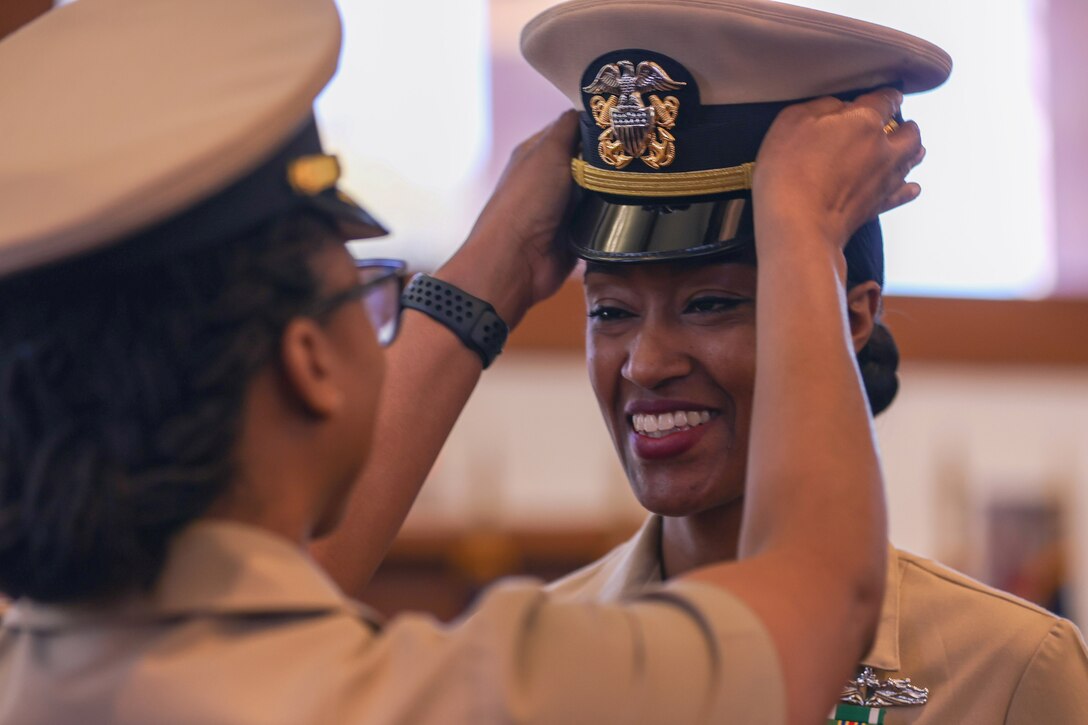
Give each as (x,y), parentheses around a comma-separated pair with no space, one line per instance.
(986,447)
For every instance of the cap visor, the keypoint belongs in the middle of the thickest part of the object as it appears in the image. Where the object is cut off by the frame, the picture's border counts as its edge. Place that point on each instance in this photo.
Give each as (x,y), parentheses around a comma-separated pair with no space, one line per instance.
(354,221)
(603,230)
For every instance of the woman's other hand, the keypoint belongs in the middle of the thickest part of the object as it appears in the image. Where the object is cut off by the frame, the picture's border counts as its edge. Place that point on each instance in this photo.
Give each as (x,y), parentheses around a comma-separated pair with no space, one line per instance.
(830,166)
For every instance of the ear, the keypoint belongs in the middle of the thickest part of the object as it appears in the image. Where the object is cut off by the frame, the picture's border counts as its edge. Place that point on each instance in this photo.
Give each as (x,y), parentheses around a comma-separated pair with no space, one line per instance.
(862,307)
(307,361)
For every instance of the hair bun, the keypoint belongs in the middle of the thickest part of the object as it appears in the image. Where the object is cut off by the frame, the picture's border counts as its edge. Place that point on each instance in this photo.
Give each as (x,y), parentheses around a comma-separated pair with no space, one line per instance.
(879,361)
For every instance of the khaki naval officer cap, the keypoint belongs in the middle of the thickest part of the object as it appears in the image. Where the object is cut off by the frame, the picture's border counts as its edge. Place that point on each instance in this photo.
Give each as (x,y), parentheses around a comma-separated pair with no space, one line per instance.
(676,97)
(152,127)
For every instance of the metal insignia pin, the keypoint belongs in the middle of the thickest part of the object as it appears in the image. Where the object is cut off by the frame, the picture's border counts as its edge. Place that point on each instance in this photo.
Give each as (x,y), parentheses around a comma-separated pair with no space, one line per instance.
(312,174)
(870,691)
(631,128)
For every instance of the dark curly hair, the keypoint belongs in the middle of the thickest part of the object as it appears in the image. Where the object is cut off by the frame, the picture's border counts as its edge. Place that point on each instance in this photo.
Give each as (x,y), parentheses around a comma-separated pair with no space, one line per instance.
(879,359)
(879,364)
(121,391)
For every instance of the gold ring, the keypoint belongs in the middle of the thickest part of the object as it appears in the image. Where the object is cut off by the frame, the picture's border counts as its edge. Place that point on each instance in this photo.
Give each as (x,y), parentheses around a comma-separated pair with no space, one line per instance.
(891,126)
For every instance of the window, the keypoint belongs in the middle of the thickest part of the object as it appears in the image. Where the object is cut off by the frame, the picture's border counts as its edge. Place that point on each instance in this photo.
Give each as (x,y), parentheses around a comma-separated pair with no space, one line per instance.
(412,115)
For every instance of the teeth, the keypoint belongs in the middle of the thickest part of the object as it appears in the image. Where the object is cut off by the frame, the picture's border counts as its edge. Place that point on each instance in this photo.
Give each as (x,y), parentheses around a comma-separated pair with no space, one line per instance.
(657,426)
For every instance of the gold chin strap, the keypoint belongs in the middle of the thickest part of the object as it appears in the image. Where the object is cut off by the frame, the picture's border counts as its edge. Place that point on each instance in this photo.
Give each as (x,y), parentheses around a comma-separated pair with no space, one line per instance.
(677,183)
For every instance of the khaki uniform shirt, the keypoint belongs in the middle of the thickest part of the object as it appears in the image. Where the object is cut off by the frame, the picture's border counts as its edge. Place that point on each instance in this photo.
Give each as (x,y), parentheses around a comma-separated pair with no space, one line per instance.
(243,628)
(987,657)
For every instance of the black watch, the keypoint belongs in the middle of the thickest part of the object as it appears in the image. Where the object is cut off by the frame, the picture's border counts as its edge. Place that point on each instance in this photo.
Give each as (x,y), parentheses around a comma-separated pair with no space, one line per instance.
(474,321)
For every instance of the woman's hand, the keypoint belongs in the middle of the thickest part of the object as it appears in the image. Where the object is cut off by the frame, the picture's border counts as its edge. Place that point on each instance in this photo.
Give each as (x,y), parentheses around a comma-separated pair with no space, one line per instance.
(829,166)
(513,258)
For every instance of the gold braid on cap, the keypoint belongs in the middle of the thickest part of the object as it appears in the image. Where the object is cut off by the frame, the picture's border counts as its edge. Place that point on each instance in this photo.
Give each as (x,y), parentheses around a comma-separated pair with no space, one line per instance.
(680,183)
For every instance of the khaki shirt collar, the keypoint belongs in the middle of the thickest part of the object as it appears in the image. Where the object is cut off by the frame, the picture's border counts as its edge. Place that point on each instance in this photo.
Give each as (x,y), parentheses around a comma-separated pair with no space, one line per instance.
(639,564)
(213,568)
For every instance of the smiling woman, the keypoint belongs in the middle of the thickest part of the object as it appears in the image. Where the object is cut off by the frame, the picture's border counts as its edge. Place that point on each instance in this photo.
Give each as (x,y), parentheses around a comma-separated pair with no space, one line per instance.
(675,310)
(652,327)
(672,359)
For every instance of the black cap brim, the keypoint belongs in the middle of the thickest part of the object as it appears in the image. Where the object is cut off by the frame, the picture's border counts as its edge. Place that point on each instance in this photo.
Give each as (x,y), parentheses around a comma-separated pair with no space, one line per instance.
(608,231)
(353,221)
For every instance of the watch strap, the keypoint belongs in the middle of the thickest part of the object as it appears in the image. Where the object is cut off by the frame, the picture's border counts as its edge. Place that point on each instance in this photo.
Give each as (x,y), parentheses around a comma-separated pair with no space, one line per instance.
(473,320)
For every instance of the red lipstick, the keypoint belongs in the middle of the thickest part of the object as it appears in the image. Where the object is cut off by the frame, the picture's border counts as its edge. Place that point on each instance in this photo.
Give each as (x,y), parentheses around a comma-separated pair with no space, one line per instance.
(667,446)
(674,443)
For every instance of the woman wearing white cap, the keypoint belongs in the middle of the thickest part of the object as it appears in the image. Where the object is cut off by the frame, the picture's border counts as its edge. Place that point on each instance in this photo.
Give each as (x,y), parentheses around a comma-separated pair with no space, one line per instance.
(672,235)
(188,395)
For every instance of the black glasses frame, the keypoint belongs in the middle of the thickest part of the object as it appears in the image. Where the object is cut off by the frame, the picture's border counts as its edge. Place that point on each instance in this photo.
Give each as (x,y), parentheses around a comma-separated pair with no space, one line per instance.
(394,269)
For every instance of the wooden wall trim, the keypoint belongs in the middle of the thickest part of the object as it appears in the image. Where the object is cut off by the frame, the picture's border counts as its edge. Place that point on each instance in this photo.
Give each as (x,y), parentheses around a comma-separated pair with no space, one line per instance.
(928,329)
(1011,332)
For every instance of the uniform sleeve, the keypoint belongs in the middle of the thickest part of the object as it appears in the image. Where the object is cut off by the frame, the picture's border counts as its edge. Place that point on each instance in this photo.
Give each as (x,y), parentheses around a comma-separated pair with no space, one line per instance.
(1054,687)
(686,653)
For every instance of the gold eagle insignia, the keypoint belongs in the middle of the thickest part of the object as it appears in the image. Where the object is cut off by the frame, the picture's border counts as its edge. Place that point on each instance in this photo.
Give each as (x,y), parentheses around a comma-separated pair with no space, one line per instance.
(631,128)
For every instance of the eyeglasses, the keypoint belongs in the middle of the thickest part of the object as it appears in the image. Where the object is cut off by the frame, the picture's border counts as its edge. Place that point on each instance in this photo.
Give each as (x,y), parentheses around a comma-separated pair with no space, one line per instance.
(380,283)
